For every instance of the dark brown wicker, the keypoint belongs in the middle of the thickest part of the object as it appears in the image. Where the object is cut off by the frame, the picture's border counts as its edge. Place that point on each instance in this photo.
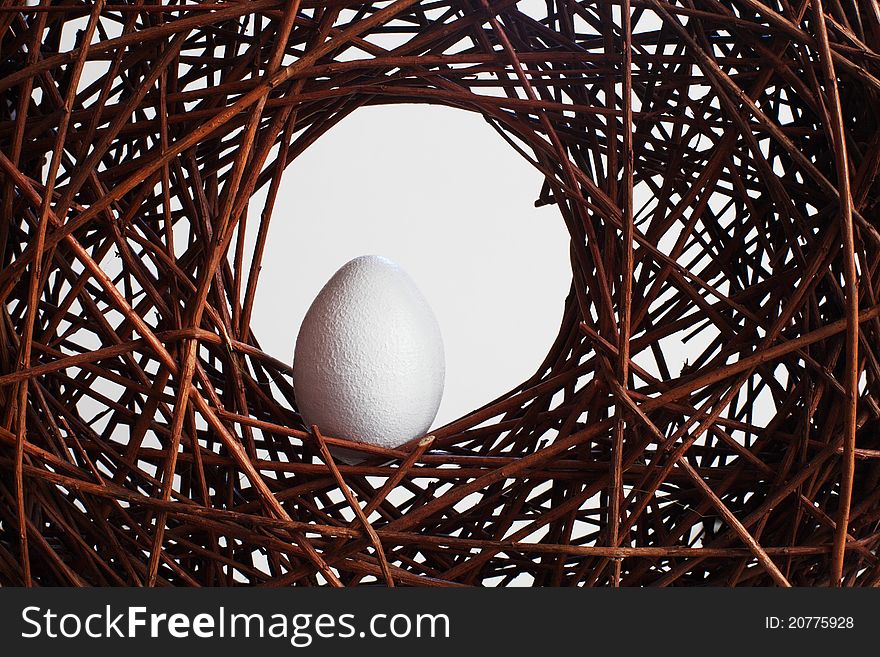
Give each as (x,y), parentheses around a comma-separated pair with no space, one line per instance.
(715,162)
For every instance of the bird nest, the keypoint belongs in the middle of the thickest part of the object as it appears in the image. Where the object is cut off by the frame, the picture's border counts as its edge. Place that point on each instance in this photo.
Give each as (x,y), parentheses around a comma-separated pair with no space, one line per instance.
(708,414)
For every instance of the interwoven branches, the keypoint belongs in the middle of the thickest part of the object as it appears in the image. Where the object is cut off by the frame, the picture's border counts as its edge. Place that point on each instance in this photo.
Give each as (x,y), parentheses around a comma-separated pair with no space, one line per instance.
(707,415)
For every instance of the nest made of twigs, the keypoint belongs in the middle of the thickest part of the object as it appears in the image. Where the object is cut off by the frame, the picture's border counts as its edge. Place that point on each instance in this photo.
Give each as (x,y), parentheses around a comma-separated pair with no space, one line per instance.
(715,162)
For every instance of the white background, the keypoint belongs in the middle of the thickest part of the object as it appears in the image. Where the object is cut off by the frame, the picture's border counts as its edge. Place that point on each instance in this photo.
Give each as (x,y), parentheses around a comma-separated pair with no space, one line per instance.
(438,191)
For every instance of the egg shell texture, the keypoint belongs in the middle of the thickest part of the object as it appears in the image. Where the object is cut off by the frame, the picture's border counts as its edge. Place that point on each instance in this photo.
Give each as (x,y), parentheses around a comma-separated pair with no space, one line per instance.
(369,362)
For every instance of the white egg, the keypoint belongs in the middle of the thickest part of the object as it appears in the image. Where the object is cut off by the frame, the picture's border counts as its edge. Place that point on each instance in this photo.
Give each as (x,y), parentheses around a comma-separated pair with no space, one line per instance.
(369,363)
